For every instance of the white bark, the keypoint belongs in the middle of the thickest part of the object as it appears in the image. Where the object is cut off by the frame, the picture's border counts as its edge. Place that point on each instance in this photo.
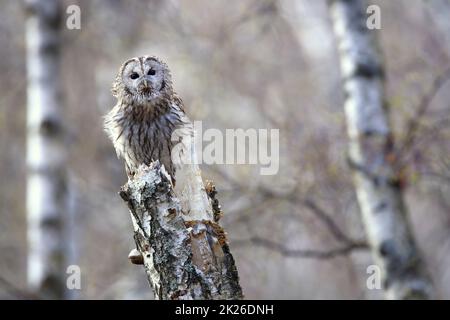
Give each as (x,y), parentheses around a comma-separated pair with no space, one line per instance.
(46,185)
(370,148)
(185,250)
(189,184)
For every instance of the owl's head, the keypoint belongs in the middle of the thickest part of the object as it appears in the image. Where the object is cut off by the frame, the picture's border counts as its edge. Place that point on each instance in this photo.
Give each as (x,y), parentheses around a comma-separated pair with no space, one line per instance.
(143,80)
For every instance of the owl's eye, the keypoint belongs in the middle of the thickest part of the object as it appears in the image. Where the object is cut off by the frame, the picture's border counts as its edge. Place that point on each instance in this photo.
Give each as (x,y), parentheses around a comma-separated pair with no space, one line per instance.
(151,72)
(134,75)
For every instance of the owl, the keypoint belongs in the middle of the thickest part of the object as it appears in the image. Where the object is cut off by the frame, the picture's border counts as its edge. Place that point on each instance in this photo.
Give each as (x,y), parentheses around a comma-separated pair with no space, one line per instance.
(141,125)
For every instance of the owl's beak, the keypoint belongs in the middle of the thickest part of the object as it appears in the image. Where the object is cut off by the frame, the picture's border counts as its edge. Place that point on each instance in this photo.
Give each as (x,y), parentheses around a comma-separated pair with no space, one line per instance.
(145,87)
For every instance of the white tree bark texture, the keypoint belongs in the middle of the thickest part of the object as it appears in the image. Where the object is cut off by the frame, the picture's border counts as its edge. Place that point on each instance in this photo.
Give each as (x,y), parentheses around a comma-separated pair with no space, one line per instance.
(46,156)
(185,251)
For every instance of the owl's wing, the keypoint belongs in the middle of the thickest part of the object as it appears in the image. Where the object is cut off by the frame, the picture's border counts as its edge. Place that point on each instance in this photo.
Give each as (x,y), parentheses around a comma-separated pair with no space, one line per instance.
(179,102)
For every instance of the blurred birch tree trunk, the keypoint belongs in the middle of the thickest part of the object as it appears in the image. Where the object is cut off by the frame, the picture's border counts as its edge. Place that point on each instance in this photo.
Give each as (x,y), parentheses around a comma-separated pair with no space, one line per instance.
(371,156)
(46,156)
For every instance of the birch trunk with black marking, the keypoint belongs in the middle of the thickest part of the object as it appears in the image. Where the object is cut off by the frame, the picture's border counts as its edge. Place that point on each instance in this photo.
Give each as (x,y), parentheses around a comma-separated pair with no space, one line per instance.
(370,153)
(185,251)
(46,157)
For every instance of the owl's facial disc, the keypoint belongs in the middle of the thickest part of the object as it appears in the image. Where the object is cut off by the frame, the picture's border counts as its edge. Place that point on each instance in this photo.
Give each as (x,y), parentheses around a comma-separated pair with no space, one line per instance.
(146,78)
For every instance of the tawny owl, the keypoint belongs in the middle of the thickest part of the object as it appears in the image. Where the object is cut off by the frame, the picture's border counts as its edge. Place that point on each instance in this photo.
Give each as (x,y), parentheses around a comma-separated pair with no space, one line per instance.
(147,113)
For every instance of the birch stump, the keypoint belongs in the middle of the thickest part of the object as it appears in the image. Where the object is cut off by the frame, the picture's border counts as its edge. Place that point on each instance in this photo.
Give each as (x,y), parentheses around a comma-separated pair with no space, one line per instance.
(185,251)
(46,157)
(370,156)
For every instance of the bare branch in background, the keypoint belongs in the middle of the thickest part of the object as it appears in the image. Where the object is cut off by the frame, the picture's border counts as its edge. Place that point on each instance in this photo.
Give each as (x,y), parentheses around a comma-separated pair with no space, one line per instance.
(328,221)
(300,253)
(294,196)
(424,104)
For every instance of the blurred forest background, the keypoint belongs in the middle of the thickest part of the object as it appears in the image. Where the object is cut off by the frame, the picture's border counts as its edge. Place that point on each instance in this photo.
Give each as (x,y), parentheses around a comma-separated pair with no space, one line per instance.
(236,64)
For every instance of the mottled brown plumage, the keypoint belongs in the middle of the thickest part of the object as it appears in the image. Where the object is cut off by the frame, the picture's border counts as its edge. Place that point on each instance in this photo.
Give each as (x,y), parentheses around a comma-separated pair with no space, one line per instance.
(148,112)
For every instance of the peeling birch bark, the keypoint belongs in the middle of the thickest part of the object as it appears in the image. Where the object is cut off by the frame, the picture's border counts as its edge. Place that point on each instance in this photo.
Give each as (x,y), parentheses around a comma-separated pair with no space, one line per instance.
(46,156)
(185,252)
(370,149)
